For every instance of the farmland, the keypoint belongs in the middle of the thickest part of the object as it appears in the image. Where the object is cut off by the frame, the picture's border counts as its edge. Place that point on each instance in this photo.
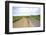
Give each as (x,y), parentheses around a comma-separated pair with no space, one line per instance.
(26,21)
(16,18)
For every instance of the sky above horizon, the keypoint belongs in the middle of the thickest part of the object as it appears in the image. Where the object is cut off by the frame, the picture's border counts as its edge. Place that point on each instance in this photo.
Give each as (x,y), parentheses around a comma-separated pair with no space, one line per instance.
(25,11)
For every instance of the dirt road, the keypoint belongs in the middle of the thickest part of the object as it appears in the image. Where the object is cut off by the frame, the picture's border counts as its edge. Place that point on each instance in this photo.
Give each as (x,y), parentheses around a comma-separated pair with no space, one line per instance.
(22,23)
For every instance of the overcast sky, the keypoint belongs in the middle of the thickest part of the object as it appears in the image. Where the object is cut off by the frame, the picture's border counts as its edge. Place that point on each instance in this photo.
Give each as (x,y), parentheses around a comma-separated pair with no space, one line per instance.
(25,11)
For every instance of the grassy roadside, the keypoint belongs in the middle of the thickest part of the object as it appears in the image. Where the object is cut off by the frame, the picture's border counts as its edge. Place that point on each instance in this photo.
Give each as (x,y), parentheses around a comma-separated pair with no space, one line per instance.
(35,17)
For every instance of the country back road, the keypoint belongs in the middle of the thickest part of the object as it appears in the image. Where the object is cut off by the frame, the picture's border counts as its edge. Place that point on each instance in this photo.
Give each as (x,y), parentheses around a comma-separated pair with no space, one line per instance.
(24,22)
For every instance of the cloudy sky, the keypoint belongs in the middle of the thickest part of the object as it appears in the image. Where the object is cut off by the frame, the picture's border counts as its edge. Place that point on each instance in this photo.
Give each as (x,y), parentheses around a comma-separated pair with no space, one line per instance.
(25,11)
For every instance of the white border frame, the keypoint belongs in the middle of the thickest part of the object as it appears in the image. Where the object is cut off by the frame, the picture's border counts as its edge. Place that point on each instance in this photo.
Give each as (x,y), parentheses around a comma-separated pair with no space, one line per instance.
(11,29)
